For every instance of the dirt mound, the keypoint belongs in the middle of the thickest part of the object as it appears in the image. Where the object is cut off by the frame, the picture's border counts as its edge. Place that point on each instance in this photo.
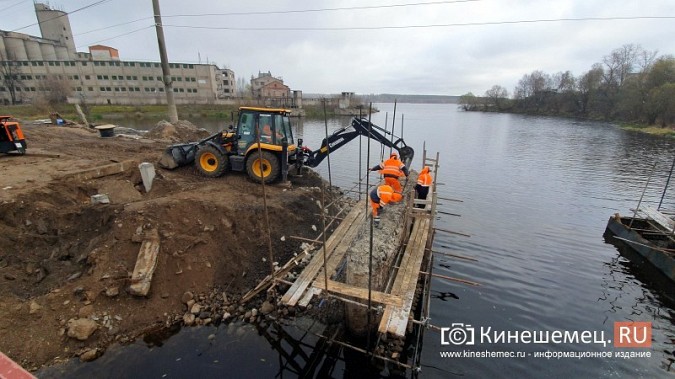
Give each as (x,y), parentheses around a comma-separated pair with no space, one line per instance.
(181,131)
(65,258)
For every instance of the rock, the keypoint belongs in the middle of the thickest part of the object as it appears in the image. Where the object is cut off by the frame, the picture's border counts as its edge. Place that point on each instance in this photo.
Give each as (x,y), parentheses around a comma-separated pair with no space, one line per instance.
(266,308)
(188,319)
(9,276)
(195,309)
(81,329)
(34,307)
(85,311)
(226,316)
(74,276)
(204,315)
(112,291)
(89,355)
(247,315)
(254,312)
(212,337)
(187,296)
(165,295)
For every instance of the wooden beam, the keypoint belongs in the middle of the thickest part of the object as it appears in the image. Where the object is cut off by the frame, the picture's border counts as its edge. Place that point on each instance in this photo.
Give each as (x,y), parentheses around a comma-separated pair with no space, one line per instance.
(360,293)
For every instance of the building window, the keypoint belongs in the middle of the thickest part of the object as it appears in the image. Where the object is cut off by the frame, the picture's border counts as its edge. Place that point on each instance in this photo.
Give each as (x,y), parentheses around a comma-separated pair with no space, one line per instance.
(128,77)
(79,89)
(124,89)
(87,77)
(156,64)
(145,78)
(99,77)
(134,77)
(76,77)
(51,63)
(137,89)
(83,63)
(102,89)
(181,90)
(175,90)
(159,78)
(161,89)
(90,89)
(34,63)
(131,89)
(117,89)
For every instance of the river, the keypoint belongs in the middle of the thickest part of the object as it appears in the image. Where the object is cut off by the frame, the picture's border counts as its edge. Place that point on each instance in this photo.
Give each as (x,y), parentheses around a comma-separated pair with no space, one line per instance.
(536,196)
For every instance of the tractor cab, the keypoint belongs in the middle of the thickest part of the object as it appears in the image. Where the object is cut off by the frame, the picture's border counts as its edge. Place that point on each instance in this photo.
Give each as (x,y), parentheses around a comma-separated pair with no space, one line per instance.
(260,144)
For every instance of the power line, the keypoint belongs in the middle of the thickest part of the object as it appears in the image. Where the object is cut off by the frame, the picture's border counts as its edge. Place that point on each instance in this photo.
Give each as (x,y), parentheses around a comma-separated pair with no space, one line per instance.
(65,14)
(425,25)
(257,13)
(119,35)
(13,5)
(113,26)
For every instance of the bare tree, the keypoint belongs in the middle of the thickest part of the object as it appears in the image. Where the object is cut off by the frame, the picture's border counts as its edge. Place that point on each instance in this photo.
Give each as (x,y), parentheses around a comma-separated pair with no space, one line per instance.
(496,97)
(55,89)
(10,72)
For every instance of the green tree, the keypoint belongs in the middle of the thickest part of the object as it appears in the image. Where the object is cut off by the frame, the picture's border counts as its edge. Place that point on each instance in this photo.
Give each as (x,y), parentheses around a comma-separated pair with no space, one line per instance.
(469,102)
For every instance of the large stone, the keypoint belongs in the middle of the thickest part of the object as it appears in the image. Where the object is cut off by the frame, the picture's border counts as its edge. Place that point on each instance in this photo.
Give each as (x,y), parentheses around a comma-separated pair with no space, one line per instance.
(188,319)
(81,328)
(89,355)
(34,307)
(187,296)
(266,308)
(86,311)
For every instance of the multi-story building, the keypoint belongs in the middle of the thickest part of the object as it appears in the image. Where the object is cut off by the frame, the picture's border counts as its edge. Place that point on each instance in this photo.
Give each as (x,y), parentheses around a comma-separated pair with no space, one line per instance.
(29,64)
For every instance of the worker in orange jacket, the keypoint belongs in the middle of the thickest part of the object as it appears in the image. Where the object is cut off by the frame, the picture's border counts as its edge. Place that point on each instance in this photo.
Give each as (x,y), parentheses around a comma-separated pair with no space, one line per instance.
(381,196)
(424,181)
(392,169)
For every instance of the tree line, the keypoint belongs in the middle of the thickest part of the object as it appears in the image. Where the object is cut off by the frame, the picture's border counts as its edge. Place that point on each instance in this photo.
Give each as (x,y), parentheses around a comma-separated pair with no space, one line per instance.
(630,85)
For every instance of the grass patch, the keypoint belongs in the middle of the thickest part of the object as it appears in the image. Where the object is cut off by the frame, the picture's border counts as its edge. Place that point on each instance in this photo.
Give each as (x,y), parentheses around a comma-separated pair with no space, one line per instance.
(650,129)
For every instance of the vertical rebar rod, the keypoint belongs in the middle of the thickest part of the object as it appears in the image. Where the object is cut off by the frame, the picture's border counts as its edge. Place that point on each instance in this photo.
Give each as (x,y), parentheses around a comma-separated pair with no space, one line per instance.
(393,126)
(323,221)
(670,174)
(267,215)
(386,121)
(325,121)
(402,122)
(370,252)
(649,179)
(360,155)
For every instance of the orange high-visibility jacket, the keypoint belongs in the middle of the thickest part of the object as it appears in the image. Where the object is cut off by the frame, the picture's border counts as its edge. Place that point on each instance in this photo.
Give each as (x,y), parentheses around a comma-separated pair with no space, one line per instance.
(384,194)
(424,179)
(392,167)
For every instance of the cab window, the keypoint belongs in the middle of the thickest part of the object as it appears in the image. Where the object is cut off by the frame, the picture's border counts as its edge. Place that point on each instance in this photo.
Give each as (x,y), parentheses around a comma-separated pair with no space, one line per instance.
(266,129)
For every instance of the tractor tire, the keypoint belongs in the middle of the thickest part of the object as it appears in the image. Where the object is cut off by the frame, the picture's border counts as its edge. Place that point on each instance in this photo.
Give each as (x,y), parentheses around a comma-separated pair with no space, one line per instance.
(269,170)
(210,162)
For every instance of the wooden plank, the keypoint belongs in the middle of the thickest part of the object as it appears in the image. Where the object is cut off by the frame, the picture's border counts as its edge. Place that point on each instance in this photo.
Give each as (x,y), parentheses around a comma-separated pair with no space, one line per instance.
(309,294)
(310,271)
(360,293)
(658,217)
(399,318)
(400,276)
(145,265)
(101,171)
(395,319)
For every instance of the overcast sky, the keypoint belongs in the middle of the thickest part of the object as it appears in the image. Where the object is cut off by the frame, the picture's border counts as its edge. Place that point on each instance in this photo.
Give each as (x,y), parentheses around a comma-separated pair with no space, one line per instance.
(370,48)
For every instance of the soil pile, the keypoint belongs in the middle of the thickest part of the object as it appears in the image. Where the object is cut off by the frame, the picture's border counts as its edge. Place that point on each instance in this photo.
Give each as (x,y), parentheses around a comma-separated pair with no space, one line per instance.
(181,131)
(66,261)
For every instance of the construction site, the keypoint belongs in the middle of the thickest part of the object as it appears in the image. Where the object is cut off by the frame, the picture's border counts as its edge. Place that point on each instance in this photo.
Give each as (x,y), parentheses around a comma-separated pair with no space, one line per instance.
(94,256)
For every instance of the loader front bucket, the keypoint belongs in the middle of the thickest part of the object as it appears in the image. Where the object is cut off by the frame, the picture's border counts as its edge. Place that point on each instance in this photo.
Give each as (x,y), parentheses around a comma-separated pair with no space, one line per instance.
(178,155)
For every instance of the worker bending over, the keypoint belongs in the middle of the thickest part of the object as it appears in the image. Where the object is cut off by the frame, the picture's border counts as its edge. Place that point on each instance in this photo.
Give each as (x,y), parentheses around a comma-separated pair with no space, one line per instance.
(392,169)
(379,197)
(424,181)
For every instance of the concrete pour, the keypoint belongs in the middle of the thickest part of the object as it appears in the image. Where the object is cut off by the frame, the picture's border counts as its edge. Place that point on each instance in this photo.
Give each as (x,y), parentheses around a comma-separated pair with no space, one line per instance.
(386,241)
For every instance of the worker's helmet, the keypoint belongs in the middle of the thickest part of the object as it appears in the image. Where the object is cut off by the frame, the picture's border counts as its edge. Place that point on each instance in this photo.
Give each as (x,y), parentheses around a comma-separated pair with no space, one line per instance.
(394,155)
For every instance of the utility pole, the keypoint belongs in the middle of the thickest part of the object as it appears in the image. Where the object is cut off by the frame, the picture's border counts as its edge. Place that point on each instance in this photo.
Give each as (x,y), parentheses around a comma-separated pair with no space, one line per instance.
(168,88)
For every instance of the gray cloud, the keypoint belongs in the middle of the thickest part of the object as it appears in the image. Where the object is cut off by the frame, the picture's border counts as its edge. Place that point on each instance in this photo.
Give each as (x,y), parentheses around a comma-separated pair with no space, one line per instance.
(438,60)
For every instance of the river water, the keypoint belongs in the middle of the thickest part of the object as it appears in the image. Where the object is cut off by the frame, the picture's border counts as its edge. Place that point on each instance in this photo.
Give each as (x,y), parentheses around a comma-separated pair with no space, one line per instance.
(536,196)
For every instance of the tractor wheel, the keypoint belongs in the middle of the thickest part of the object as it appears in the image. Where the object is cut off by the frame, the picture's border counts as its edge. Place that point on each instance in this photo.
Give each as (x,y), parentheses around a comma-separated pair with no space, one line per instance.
(265,168)
(210,162)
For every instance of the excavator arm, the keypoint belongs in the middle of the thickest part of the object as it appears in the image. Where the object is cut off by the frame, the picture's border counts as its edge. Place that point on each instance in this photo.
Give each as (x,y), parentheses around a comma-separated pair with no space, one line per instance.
(358,127)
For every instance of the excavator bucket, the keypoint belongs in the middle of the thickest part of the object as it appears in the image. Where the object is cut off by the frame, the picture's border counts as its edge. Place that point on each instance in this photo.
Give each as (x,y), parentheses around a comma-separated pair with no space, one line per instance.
(178,155)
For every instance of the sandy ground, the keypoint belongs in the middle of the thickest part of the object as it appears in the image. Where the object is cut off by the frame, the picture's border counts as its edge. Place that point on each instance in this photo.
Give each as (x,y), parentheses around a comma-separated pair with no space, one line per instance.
(64,259)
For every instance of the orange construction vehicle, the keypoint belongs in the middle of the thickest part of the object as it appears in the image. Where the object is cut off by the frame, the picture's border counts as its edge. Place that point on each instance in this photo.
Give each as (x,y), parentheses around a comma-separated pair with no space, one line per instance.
(11,136)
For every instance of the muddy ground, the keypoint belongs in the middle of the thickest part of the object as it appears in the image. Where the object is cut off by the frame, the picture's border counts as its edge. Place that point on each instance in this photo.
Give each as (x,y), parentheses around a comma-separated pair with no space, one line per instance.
(64,259)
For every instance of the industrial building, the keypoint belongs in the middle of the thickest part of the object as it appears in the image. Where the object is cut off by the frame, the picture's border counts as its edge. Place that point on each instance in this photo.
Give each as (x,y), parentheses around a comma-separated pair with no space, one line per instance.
(29,66)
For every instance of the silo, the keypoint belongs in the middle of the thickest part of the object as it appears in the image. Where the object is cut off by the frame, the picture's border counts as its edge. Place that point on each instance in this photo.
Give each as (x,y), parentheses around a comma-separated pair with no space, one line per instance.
(33,50)
(48,51)
(61,53)
(55,26)
(16,51)
(2,47)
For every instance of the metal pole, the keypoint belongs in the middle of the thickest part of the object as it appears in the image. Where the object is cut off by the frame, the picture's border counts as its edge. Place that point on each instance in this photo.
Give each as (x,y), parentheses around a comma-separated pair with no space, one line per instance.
(672,166)
(393,126)
(262,182)
(649,179)
(402,122)
(372,220)
(325,120)
(323,221)
(386,121)
(168,87)
(360,154)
